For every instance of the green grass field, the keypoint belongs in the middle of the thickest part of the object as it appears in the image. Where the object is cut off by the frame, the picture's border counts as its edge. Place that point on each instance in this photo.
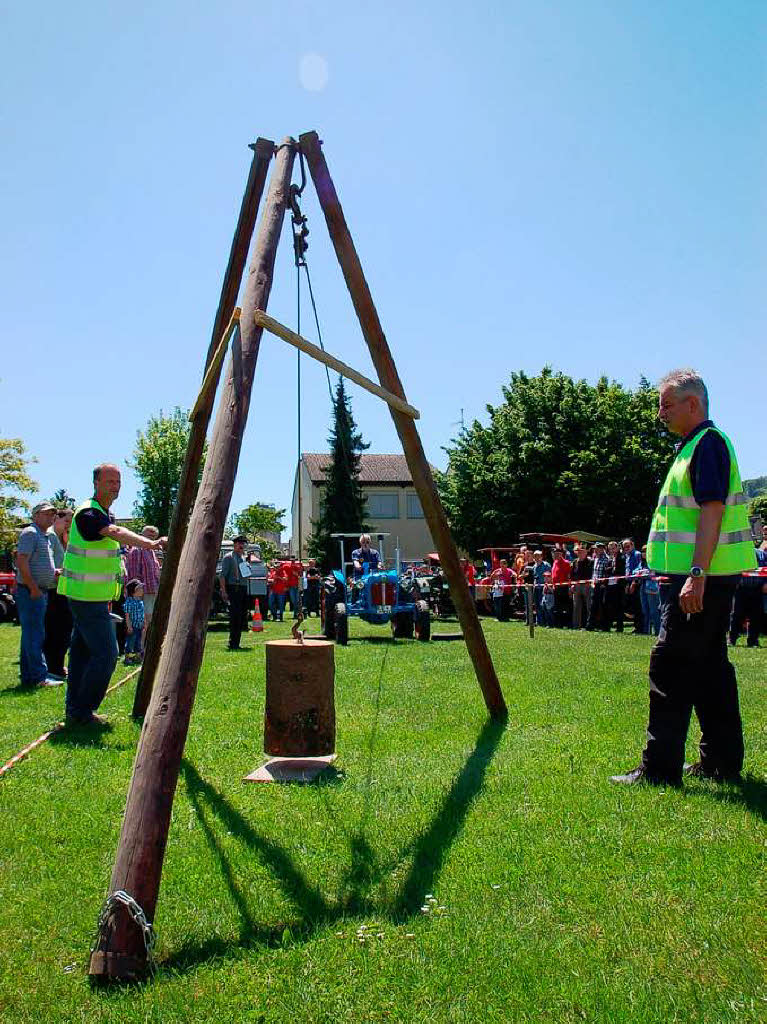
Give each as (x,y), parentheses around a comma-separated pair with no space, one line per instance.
(565,898)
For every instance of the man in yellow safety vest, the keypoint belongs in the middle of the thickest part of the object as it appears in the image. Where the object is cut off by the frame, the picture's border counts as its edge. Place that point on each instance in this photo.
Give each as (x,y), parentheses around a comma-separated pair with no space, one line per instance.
(92,577)
(700,540)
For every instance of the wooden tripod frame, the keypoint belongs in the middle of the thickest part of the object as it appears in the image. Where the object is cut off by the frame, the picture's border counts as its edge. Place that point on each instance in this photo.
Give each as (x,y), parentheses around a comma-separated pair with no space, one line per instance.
(121,951)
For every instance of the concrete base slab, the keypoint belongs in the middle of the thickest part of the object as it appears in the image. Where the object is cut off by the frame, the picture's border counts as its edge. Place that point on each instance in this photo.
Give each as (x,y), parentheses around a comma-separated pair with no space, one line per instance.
(291,769)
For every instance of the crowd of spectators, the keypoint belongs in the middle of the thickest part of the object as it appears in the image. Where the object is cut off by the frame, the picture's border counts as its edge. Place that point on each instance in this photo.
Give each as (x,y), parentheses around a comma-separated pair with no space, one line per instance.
(599,587)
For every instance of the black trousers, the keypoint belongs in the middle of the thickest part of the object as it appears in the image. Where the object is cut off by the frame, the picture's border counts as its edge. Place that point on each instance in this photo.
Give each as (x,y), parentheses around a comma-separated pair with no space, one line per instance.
(613,607)
(563,613)
(58,632)
(747,604)
(312,597)
(597,609)
(689,668)
(238,601)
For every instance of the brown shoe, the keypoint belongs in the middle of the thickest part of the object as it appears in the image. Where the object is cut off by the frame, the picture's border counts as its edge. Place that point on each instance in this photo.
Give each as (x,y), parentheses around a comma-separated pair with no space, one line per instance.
(700,771)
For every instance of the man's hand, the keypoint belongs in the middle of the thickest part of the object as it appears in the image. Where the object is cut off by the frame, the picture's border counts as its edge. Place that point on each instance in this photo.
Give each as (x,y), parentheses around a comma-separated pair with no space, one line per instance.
(34,591)
(691,595)
(128,629)
(224,597)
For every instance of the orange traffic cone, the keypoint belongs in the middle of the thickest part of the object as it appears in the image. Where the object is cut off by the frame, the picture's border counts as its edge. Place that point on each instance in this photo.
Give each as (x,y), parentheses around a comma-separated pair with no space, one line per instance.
(257,623)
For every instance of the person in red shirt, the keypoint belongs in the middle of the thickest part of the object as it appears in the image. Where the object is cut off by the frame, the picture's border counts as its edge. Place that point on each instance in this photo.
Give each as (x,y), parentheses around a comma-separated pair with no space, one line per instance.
(470,575)
(293,570)
(560,573)
(278,585)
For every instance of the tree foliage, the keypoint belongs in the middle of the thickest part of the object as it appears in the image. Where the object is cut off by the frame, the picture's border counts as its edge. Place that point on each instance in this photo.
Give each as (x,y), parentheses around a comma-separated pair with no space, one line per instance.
(343,506)
(158,460)
(15,482)
(254,522)
(63,499)
(558,455)
(756,487)
(758,507)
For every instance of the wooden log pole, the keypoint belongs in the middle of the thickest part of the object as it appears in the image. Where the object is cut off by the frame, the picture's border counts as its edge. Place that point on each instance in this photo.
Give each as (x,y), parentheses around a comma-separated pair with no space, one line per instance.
(300,710)
(263,150)
(411,443)
(120,950)
(281,331)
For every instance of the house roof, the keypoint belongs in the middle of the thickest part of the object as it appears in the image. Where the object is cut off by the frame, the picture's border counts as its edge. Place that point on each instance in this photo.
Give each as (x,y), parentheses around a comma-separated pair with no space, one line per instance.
(374,469)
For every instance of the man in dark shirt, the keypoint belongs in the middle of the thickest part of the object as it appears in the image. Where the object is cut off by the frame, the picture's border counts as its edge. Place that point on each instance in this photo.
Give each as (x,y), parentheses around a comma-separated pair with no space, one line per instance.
(580,576)
(94,652)
(365,555)
(689,667)
(233,581)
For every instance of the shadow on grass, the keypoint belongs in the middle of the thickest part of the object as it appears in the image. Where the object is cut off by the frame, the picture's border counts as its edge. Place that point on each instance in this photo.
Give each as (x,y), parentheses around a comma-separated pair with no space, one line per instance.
(20,691)
(751,793)
(428,852)
(88,736)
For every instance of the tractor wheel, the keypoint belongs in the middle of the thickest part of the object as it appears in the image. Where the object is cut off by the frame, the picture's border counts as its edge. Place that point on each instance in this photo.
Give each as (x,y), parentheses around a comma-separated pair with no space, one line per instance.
(402,626)
(327,617)
(422,621)
(341,624)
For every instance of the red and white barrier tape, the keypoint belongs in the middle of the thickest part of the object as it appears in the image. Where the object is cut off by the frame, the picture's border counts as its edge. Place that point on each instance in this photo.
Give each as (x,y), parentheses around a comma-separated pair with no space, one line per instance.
(57,728)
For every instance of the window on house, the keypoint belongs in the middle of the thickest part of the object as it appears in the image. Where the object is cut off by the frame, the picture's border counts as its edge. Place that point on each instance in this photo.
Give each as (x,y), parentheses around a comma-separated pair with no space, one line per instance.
(382,505)
(414,510)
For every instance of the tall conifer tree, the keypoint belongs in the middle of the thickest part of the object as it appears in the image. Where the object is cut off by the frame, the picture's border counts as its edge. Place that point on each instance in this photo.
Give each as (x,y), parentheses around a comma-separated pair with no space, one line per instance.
(343,504)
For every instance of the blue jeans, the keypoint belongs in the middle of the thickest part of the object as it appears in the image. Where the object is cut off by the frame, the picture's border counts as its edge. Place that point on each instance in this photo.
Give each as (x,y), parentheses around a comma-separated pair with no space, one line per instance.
(293,595)
(33,667)
(276,605)
(650,611)
(93,655)
(133,642)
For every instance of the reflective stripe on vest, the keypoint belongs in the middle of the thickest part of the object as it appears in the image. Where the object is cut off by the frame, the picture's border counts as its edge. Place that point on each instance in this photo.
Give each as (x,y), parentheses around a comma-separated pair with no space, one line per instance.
(90,552)
(92,570)
(686,501)
(672,538)
(682,537)
(90,577)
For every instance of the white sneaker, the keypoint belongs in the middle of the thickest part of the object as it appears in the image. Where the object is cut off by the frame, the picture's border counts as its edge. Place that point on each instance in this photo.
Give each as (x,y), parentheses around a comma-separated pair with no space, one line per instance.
(50,681)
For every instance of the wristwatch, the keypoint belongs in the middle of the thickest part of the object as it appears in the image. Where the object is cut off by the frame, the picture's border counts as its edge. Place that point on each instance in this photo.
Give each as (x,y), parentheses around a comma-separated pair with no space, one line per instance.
(696,572)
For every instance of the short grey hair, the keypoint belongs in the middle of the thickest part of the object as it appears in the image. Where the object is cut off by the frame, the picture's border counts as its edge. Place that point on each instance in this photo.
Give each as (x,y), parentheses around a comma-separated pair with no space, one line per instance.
(365,537)
(102,465)
(686,382)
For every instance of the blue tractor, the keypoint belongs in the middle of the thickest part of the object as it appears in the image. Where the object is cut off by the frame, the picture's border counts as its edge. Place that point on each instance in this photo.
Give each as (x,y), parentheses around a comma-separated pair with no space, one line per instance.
(378,597)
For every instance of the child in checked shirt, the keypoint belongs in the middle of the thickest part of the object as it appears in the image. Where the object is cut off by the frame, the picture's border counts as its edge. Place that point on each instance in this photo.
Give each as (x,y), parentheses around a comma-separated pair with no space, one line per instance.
(134,622)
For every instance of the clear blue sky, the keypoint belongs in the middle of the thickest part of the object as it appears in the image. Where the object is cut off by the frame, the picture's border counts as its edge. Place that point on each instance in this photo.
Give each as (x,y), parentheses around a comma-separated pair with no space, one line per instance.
(580,184)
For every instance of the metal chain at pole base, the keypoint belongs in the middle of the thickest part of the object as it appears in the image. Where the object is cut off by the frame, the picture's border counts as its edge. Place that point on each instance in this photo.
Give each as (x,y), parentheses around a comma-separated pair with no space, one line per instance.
(106,965)
(143,839)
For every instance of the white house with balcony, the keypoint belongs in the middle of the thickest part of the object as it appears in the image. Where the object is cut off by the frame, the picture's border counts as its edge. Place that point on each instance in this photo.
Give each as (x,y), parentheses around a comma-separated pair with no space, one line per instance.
(393,506)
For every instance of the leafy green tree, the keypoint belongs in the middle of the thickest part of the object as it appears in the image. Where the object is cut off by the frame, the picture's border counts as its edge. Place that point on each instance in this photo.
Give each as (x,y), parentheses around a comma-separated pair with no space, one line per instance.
(15,482)
(254,522)
(758,507)
(756,487)
(558,455)
(158,460)
(62,499)
(343,506)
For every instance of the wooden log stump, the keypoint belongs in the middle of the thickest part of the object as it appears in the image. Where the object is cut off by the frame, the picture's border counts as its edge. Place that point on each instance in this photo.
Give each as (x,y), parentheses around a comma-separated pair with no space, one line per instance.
(300,714)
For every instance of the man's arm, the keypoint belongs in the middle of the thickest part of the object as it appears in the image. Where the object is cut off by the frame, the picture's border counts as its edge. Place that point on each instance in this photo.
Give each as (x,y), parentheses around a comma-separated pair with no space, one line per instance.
(136,540)
(706,539)
(22,561)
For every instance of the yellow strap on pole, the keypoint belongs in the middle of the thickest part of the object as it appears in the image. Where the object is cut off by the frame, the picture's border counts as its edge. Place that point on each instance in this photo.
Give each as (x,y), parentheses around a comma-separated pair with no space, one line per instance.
(211,374)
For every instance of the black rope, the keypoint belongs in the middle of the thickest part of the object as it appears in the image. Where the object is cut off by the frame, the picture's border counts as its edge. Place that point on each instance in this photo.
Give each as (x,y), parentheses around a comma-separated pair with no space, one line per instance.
(317,324)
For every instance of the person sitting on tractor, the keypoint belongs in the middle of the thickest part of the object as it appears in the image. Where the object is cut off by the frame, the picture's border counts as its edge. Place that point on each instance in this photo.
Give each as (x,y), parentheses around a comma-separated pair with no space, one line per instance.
(363,556)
